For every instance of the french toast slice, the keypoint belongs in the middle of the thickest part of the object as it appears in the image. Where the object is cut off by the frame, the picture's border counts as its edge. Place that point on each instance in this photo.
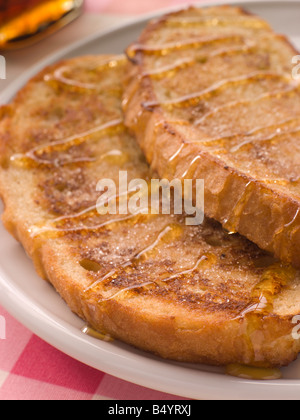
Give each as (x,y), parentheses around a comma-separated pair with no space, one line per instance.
(211,96)
(186,293)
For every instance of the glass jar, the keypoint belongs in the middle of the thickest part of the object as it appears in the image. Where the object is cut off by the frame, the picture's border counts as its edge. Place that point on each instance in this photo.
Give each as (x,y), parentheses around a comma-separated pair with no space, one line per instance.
(23,22)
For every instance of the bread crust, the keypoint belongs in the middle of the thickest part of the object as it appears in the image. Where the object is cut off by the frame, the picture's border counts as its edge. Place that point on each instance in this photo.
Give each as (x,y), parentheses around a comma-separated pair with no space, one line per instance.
(200,340)
(240,199)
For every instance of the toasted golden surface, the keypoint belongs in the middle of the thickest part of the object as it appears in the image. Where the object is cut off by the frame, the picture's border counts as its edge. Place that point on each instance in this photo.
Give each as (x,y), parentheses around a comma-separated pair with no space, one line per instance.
(186,293)
(213,91)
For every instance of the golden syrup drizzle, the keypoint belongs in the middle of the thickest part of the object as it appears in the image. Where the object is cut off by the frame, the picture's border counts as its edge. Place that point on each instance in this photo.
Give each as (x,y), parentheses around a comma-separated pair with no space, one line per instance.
(172,69)
(203,260)
(231,224)
(246,22)
(294,180)
(247,47)
(194,98)
(277,127)
(97,334)
(218,140)
(289,92)
(177,153)
(275,136)
(24,161)
(118,60)
(53,228)
(135,287)
(59,75)
(53,231)
(34,156)
(252,373)
(257,307)
(207,259)
(90,211)
(168,71)
(115,157)
(165,49)
(273,280)
(167,234)
(288,227)
(293,220)
(190,171)
(130,92)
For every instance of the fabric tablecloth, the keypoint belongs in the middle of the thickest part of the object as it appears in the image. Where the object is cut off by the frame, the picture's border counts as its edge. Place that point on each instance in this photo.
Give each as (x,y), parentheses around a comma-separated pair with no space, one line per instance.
(135,7)
(30,369)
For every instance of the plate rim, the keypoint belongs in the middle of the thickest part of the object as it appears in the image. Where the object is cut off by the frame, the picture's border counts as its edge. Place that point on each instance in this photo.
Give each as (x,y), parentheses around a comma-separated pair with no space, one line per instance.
(65,337)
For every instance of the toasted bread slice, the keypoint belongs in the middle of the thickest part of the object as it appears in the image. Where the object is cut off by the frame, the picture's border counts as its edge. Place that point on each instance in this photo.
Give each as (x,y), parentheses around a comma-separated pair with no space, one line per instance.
(211,96)
(192,294)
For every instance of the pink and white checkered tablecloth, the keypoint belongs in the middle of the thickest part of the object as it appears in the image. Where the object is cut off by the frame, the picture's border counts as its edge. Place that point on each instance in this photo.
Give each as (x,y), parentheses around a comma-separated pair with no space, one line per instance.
(134,7)
(30,369)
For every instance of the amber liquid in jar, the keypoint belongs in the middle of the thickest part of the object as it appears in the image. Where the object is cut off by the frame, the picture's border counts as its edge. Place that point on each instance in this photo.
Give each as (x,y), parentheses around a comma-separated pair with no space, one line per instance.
(25,21)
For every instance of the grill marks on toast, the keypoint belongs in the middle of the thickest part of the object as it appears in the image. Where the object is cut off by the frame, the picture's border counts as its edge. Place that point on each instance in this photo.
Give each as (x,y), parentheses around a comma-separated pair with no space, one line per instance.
(225,77)
(202,270)
(154,271)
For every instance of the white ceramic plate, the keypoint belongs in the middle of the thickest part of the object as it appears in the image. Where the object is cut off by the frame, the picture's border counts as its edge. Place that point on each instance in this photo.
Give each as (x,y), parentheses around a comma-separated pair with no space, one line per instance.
(35,304)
